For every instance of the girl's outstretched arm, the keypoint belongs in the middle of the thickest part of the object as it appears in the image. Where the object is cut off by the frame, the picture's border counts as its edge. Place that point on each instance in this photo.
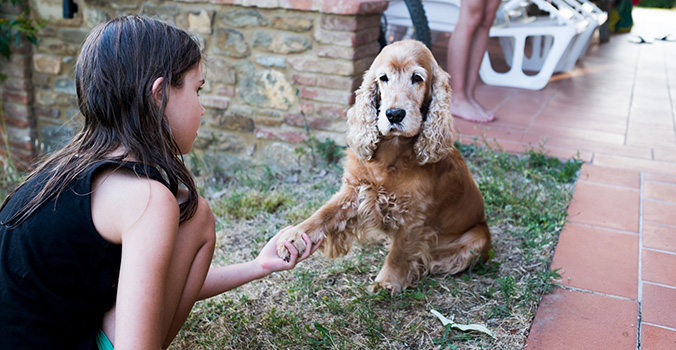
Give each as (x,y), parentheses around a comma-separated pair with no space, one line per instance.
(223,279)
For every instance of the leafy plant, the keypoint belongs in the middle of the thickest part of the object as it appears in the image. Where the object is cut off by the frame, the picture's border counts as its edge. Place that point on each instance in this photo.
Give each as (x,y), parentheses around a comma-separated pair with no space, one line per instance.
(561,171)
(663,4)
(14,28)
(326,153)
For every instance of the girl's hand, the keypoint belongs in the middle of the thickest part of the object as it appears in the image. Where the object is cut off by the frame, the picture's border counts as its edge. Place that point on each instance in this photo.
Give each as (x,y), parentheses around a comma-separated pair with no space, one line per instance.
(225,278)
(270,262)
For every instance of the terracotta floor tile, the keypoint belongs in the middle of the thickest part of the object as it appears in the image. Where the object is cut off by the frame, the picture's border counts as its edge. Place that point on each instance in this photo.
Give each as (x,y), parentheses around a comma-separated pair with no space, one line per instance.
(577,95)
(578,133)
(590,84)
(658,305)
(649,134)
(616,126)
(492,96)
(507,146)
(568,112)
(658,267)
(657,92)
(619,84)
(654,125)
(663,213)
(660,177)
(650,91)
(598,260)
(602,148)
(512,119)
(575,320)
(659,191)
(663,155)
(531,103)
(563,153)
(659,237)
(657,338)
(543,95)
(598,105)
(642,101)
(619,161)
(484,131)
(604,110)
(658,142)
(610,176)
(603,205)
(659,115)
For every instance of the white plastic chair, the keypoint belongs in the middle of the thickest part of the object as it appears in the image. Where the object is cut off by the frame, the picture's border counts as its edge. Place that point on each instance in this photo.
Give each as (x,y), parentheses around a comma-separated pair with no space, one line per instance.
(553,38)
(441,14)
(579,44)
(555,41)
(596,18)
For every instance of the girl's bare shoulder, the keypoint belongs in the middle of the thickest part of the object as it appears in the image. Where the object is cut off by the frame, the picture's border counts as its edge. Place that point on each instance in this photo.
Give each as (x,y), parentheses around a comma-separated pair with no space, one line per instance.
(120,199)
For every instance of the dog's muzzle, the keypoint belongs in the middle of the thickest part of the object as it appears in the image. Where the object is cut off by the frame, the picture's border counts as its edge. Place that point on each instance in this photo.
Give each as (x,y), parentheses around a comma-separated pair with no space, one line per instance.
(395,115)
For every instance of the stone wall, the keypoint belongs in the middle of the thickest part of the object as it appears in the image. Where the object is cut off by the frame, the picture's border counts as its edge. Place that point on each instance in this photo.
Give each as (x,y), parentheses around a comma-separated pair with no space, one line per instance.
(19,124)
(278,71)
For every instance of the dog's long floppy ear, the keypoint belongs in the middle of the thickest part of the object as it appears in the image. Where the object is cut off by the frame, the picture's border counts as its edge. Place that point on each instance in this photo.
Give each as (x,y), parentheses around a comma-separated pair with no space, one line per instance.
(435,141)
(362,118)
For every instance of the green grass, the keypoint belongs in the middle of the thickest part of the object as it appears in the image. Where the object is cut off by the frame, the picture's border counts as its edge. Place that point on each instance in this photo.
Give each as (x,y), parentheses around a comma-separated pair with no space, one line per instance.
(250,203)
(326,304)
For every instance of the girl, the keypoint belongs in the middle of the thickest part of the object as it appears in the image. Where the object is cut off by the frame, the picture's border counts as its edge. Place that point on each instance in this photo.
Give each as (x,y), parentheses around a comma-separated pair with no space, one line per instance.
(107,242)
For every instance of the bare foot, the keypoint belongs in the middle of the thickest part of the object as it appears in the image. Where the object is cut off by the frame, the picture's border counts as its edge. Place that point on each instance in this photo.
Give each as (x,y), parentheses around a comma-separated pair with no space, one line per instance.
(470,111)
(479,106)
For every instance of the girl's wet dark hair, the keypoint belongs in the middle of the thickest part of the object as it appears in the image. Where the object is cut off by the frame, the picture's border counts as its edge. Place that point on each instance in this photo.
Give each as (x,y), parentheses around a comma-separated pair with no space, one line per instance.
(118,64)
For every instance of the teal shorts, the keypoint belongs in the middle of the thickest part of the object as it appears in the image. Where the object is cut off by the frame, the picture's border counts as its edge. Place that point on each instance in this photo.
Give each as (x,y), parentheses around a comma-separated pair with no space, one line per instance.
(102,341)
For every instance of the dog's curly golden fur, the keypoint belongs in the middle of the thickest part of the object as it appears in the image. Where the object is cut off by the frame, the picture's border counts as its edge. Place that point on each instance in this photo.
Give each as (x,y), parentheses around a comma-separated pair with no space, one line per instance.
(403,177)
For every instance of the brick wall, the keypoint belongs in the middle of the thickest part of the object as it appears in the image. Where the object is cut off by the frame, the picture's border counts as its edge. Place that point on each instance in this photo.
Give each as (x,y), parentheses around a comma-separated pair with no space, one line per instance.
(274,67)
(19,125)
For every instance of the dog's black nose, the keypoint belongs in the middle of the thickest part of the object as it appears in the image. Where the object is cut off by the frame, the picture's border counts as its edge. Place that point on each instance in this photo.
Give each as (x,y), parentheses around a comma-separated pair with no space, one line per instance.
(395,115)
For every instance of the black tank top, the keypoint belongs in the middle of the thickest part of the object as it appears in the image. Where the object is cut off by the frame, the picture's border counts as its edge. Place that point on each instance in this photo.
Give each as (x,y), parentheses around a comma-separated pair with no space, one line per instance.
(58,276)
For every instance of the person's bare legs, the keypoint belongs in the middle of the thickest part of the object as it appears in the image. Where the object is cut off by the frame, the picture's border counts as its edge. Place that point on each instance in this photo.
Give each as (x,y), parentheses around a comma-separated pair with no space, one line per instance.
(462,61)
(478,49)
(193,252)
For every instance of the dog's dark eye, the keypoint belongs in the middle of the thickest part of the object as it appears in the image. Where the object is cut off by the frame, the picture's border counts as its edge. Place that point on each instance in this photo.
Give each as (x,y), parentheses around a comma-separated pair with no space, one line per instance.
(384,78)
(416,78)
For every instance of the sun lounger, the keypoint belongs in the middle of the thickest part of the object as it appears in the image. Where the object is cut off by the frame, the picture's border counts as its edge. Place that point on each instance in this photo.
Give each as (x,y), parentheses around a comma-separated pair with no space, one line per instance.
(535,46)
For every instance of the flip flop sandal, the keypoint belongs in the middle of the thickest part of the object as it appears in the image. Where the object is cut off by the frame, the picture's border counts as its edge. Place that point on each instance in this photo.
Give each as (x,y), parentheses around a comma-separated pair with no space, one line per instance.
(640,40)
(668,37)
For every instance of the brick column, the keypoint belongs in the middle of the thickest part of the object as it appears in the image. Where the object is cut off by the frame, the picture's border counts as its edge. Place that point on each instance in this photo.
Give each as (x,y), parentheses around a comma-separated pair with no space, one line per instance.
(346,39)
(17,101)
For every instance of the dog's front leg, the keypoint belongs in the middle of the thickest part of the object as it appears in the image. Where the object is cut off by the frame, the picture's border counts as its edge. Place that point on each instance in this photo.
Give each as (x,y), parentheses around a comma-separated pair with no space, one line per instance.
(331,221)
(408,255)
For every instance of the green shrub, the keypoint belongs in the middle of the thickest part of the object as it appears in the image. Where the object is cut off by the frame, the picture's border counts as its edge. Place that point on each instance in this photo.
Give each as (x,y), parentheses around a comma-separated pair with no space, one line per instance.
(662,4)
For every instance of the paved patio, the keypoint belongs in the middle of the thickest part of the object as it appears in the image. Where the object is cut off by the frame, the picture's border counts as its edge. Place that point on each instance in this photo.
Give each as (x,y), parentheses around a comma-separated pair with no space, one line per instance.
(617,254)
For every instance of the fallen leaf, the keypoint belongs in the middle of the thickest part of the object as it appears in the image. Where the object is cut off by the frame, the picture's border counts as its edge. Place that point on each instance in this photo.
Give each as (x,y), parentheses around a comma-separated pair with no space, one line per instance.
(462,327)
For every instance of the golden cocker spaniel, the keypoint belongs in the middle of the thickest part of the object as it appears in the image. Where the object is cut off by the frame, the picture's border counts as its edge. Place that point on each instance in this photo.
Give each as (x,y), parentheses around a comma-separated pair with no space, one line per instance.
(403,177)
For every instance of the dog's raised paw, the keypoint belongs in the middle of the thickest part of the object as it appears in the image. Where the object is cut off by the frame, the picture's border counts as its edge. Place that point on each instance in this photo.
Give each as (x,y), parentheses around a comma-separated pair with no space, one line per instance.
(293,236)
